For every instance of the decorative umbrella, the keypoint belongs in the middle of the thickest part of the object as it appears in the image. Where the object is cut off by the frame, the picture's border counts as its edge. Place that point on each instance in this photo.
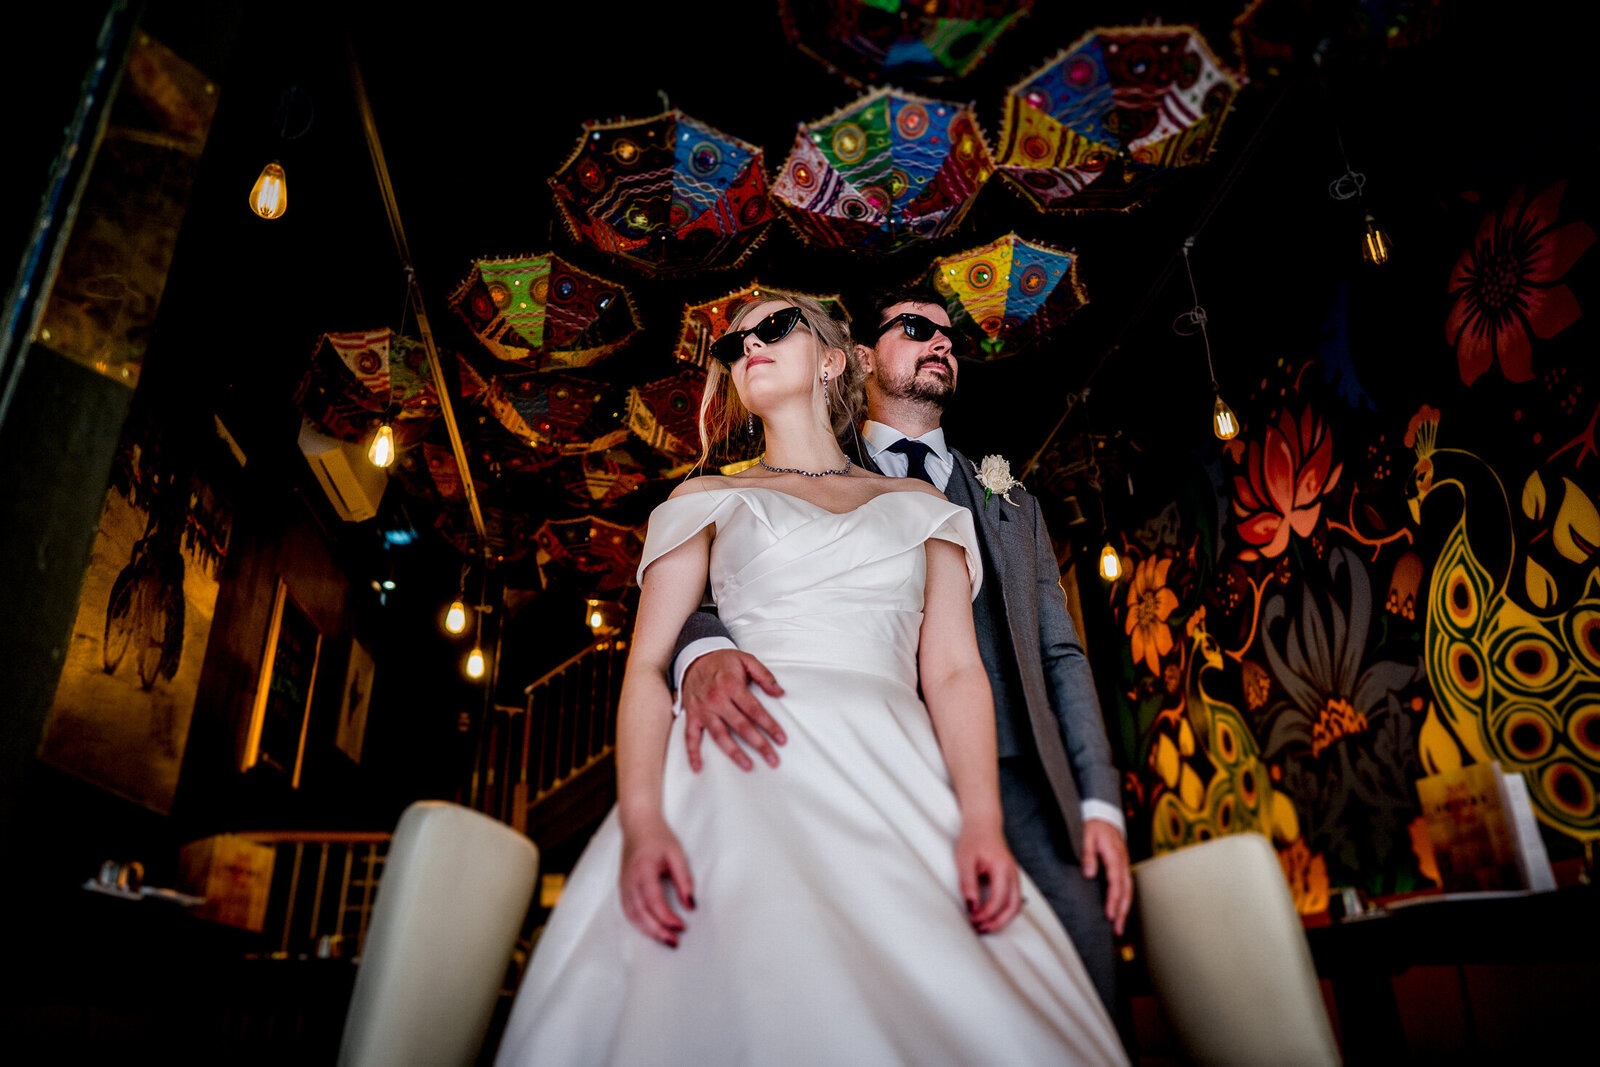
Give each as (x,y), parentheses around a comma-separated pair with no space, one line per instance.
(601,555)
(664,414)
(545,417)
(666,193)
(1012,291)
(355,379)
(600,479)
(510,532)
(1136,102)
(887,171)
(866,41)
(543,312)
(704,323)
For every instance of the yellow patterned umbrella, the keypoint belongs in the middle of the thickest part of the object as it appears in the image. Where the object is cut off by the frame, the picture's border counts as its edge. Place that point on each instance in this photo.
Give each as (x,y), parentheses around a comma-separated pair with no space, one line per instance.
(1010,291)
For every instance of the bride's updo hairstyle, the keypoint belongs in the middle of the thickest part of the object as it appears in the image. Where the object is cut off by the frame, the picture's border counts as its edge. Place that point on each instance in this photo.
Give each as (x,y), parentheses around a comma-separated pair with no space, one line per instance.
(724,416)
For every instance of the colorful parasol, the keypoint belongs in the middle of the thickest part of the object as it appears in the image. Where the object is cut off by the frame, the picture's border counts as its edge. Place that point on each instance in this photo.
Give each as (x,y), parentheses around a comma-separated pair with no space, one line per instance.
(547,416)
(543,312)
(888,170)
(704,323)
(354,380)
(597,480)
(666,193)
(664,414)
(1131,102)
(868,41)
(600,555)
(1011,291)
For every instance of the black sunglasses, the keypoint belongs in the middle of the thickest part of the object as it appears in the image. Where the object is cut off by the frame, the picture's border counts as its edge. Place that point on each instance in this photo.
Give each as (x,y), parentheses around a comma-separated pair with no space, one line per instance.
(729,348)
(921,328)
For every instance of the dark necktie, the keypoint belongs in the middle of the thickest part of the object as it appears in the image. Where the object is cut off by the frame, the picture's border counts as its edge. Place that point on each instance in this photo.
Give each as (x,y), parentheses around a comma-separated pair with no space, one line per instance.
(916,454)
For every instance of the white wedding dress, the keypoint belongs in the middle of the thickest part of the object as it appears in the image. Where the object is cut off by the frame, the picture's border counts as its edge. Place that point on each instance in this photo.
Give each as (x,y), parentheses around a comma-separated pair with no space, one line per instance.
(829,926)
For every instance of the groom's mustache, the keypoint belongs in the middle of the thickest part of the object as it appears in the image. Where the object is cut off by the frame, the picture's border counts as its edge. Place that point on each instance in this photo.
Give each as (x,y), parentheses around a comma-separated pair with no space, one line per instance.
(940,360)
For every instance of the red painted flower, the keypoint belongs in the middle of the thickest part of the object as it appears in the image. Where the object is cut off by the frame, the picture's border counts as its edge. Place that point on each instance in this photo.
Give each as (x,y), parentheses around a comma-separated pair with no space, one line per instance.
(1507,287)
(1285,477)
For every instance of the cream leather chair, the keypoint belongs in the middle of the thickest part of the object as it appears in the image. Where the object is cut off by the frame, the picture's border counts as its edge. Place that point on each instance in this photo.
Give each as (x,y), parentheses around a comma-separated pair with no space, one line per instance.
(1228,957)
(453,897)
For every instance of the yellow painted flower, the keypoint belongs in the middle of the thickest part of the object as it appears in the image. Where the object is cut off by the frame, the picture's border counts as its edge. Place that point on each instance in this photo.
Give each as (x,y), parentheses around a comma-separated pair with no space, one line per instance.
(1150,603)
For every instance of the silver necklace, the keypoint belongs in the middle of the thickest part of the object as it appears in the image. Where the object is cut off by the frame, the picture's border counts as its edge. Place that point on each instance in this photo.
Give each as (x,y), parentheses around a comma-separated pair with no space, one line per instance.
(809,474)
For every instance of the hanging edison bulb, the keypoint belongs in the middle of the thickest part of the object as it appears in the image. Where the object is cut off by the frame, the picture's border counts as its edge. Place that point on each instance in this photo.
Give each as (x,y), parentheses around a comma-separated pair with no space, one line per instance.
(381,451)
(1224,423)
(269,196)
(455,620)
(1375,244)
(475,663)
(1110,563)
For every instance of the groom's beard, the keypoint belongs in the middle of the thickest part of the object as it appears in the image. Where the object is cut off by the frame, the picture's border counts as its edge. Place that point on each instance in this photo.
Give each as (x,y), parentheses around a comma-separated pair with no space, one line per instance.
(932,390)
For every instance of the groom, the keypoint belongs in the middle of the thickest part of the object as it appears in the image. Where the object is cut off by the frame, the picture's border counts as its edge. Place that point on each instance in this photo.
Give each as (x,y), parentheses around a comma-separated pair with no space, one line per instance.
(1060,794)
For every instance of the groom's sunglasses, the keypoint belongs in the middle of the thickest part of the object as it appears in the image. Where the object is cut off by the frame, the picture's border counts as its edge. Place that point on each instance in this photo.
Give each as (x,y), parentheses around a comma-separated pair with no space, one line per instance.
(729,348)
(921,328)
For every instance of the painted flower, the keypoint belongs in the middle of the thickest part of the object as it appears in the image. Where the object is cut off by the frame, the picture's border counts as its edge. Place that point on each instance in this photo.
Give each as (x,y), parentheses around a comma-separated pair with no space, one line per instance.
(1507,285)
(1286,474)
(995,477)
(1307,874)
(1150,603)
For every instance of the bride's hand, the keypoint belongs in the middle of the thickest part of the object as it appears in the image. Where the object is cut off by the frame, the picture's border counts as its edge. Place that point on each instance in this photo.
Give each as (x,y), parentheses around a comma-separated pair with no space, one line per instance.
(649,855)
(989,881)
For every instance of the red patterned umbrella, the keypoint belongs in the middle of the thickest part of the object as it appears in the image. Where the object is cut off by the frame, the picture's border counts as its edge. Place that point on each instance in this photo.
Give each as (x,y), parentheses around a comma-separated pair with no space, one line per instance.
(543,312)
(704,323)
(884,172)
(867,41)
(355,379)
(1135,102)
(666,193)
(664,414)
(1010,291)
(601,555)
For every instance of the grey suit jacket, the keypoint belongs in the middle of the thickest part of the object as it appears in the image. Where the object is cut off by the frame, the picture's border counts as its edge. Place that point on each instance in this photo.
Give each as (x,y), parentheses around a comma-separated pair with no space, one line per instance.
(1068,732)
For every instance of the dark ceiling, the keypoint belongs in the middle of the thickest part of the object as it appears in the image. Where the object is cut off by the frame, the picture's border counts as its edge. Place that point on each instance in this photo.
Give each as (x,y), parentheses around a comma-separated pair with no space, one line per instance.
(478,104)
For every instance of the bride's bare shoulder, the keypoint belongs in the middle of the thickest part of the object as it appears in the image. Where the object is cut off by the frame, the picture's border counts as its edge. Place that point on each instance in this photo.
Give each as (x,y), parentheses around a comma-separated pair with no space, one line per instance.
(705,483)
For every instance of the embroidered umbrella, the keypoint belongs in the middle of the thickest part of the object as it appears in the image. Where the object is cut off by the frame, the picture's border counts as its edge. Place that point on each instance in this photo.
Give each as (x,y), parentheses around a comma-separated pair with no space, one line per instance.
(868,41)
(704,323)
(1134,103)
(600,555)
(884,172)
(664,414)
(597,480)
(354,380)
(543,312)
(1010,291)
(544,417)
(666,193)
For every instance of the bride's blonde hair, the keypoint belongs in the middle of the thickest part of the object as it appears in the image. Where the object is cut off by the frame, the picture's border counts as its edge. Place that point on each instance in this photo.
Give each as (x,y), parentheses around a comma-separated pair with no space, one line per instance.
(723,415)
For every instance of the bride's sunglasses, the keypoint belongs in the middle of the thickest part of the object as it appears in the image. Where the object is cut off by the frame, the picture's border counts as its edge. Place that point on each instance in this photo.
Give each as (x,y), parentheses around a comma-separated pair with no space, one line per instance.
(921,328)
(728,348)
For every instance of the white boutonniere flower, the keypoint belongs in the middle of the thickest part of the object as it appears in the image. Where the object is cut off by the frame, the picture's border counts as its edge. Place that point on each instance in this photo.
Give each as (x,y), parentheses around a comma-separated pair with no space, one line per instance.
(995,477)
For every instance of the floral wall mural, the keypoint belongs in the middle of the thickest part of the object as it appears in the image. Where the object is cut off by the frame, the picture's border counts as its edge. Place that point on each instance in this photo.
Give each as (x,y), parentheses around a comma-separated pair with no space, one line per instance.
(1389,573)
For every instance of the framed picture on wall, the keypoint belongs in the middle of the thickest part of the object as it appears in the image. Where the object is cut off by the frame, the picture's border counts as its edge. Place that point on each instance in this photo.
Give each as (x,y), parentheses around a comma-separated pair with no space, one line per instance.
(353,704)
(282,710)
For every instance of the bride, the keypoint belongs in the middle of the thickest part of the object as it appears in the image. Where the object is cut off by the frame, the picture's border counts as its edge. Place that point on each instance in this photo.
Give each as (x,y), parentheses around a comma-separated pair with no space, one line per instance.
(858,906)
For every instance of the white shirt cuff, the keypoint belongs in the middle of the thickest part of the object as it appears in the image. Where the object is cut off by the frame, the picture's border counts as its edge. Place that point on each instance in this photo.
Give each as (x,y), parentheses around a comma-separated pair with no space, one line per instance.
(691,652)
(1094,809)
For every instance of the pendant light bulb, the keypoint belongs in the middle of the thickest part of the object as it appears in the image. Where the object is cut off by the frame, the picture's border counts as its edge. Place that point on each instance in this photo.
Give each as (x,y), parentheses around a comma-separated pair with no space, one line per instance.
(1375,244)
(269,196)
(475,663)
(381,451)
(1224,423)
(455,620)
(1110,563)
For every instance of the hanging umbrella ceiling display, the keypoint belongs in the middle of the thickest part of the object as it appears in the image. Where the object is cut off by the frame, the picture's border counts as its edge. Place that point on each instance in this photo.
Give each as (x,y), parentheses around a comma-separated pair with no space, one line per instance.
(544,418)
(1010,291)
(355,380)
(544,313)
(887,171)
(600,555)
(869,41)
(600,479)
(704,323)
(666,193)
(1101,123)
(664,414)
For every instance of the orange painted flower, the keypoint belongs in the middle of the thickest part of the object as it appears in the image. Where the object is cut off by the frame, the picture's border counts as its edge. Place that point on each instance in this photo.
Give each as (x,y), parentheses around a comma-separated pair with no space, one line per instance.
(1507,285)
(1307,875)
(1286,475)
(1150,603)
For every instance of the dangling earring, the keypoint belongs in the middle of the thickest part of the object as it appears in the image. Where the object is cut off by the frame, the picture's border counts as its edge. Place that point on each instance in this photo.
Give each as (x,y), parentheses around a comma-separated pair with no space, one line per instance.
(824,379)
(750,423)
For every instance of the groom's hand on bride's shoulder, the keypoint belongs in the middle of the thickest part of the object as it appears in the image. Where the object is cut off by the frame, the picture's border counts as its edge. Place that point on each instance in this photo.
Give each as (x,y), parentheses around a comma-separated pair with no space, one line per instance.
(717,701)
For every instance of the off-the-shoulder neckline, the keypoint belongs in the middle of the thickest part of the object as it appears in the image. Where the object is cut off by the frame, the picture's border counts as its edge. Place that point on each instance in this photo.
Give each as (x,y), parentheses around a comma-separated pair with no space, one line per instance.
(811,503)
